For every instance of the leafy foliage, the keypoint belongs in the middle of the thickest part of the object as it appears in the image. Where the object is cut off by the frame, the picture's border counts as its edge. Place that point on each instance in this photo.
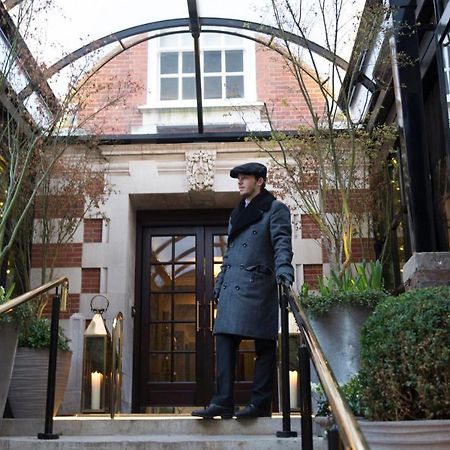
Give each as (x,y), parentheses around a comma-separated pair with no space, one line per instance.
(362,286)
(37,335)
(19,314)
(352,391)
(405,356)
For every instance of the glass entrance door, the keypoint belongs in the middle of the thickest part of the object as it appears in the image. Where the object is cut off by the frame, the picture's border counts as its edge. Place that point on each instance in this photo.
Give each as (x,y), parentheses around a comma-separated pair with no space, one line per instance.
(176,312)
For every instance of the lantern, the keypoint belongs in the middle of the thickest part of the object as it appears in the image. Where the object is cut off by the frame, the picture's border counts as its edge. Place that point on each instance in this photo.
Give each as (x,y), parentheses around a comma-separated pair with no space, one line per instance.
(96,380)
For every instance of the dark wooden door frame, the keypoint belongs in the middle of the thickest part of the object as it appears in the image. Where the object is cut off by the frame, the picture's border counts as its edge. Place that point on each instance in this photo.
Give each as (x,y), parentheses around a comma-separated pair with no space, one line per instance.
(216,217)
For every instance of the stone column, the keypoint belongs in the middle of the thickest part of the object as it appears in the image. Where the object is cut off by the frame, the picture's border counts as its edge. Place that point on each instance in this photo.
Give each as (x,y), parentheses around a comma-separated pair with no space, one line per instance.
(427,269)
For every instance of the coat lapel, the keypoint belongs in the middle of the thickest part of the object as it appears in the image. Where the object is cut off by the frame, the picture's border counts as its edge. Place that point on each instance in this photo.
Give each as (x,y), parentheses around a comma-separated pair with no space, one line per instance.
(242,217)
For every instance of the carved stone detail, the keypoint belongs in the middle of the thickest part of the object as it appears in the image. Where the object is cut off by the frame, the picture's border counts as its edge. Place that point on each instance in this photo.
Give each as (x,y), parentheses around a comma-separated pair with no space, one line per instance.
(200,168)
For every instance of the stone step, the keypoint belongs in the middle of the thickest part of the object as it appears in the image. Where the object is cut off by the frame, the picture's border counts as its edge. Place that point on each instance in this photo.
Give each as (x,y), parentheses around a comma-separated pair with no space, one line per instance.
(159,442)
(150,425)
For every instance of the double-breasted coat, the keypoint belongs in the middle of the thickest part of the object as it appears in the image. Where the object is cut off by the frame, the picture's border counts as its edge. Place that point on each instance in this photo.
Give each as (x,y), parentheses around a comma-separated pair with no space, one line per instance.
(259,250)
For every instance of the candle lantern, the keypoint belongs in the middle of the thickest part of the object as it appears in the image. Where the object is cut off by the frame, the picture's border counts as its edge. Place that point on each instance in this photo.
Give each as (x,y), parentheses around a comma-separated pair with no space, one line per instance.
(96,381)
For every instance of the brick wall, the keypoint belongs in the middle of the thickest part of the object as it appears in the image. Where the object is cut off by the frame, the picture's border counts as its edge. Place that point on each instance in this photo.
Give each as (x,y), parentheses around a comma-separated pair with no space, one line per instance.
(278,88)
(67,255)
(362,250)
(73,306)
(310,229)
(90,280)
(93,229)
(123,78)
(311,273)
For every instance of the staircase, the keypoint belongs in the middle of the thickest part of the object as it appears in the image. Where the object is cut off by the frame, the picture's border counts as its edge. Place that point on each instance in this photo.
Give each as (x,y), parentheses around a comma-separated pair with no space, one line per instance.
(139,432)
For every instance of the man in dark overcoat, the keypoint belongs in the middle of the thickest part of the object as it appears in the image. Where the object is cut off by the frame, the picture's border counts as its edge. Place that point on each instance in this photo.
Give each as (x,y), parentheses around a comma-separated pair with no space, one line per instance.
(258,256)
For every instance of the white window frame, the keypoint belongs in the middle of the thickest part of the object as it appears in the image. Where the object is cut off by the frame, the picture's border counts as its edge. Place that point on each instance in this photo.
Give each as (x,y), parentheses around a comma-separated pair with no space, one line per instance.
(184,42)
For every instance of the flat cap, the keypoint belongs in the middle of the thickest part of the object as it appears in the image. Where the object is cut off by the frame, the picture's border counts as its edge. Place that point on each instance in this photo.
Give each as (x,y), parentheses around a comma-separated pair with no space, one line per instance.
(251,168)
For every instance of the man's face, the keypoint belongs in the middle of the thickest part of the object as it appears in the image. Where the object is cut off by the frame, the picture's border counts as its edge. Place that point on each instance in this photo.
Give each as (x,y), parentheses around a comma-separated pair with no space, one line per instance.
(249,186)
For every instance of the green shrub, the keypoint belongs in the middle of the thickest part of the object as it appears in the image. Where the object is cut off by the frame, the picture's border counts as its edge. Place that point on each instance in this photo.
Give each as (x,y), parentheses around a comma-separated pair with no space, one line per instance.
(405,356)
(321,304)
(352,391)
(36,334)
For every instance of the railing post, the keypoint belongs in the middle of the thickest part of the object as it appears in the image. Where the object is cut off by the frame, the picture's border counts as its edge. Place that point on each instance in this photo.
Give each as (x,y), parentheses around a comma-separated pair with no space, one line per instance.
(305,395)
(334,440)
(285,395)
(53,353)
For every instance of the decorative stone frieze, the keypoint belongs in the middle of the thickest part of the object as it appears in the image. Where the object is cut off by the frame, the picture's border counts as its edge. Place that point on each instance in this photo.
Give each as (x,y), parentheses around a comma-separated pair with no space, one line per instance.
(200,168)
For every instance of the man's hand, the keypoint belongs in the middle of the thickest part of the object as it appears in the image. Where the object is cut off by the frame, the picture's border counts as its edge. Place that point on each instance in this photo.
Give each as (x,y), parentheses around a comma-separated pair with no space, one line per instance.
(284,280)
(216,296)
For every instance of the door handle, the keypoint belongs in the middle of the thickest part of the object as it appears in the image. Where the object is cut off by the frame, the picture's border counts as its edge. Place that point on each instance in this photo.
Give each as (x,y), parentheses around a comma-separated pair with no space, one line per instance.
(211,314)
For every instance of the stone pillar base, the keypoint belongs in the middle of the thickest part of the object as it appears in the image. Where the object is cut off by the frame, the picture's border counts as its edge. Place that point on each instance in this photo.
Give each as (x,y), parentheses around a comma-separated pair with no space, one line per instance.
(427,269)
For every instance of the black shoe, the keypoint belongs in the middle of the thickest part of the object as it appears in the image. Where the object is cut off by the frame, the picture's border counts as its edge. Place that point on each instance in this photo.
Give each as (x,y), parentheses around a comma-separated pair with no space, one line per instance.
(213,411)
(252,412)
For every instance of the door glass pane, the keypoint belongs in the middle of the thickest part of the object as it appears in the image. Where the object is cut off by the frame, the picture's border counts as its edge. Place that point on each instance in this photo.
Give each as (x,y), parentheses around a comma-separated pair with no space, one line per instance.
(184,277)
(188,62)
(160,307)
(169,89)
(184,336)
(213,62)
(169,63)
(184,307)
(161,249)
(213,87)
(184,367)
(160,337)
(185,248)
(188,88)
(235,87)
(219,246)
(234,61)
(245,366)
(160,367)
(161,277)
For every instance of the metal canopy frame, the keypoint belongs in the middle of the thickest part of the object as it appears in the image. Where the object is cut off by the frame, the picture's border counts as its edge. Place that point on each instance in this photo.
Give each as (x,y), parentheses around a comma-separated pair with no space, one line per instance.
(194,25)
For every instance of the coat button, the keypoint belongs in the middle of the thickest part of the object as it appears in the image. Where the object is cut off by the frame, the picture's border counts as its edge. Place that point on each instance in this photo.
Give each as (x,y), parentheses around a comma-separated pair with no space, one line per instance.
(244,244)
(241,266)
(224,286)
(230,245)
(254,232)
(237,288)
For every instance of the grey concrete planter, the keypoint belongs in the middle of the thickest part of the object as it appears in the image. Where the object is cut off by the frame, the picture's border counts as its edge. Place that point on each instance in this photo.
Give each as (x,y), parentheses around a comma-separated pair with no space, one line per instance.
(339,332)
(408,434)
(28,389)
(8,339)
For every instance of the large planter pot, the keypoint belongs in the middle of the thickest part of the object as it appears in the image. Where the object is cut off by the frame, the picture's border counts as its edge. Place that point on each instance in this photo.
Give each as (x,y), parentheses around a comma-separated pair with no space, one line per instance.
(408,434)
(338,332)
(8,339)
(28,389)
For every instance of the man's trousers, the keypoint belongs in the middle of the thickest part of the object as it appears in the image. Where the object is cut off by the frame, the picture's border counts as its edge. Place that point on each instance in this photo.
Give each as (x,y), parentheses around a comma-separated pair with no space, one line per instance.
(264,375)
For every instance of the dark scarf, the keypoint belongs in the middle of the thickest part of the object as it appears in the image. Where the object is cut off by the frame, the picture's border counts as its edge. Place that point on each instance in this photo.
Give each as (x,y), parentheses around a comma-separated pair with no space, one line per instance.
(242,217)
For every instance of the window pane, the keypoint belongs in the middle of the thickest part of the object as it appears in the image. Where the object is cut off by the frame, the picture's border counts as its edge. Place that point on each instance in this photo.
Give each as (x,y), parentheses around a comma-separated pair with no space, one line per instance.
(161,338)
(169,88)
(184,248)
(235,87)
(161,277)
(188,88)
(161,248)
(213,62)
(169,63)
(160,367)
(184,277)
(213,87)
(188,62)
(184,337)
(160,307)
(184,307)
(184,369)
(234,61)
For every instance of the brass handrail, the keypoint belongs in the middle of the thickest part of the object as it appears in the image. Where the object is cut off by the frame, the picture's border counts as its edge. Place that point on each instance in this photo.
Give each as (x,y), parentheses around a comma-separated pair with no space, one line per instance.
(350,431)
(30,295)
(116,366)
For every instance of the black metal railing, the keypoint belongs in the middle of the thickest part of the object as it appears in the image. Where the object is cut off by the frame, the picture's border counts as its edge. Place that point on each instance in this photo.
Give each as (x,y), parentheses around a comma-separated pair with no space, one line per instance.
(346,429)
(59,303)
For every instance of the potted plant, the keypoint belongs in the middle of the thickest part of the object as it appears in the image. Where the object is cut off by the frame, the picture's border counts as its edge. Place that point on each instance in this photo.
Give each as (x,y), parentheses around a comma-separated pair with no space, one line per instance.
(337,312)
(28,388)
(405,370)
(8,338)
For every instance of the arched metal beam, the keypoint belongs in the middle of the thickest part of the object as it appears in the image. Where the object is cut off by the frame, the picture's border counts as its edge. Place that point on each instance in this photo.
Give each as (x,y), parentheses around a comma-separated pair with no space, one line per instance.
(185,22)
